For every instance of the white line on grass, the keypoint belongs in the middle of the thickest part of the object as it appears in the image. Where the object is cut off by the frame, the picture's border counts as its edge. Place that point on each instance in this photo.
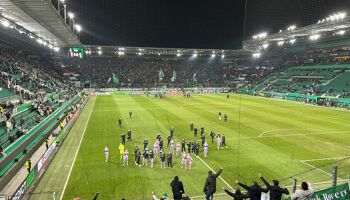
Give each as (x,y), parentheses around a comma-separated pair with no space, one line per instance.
(333,158)
(215,172)
(76,153)
(305,163)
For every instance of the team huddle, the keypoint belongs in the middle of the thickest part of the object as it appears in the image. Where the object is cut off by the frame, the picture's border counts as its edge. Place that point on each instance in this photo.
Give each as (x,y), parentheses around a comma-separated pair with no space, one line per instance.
(182,149)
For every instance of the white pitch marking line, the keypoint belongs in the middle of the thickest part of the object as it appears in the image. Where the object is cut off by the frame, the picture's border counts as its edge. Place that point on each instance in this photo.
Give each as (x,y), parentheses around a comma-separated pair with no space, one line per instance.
(215,172)
(305,163)
(76,153)
(333,158)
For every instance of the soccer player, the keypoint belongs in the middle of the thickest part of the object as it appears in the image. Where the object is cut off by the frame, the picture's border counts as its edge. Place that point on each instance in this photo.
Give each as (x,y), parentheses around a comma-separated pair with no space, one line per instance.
(121,150)
(177,149)
(135,152)
(169,139)
(120,122)
(223,141)
(184,160)
(122,136)
(205,149)
(189,162)
(145,158)
(218,141)
(145,143)
(191,126)
(196,148)
(151,158)
(172,131)
(219,115)
(170,159)
(212,135)
(172,145)
(227,96)
(138,157)
(162,159)
(225,117)
(156,148)
(195,131)
(161,144)
(183,145)
(106,151)
(126,158)
(189,145)
(130,114)
(202,130)
(129,135)
(203,138)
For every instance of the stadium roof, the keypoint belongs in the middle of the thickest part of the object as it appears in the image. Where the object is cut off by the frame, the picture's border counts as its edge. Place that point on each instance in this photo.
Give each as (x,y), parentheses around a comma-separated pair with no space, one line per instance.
(310,67)
(333,23)
(93,50)
(40,18)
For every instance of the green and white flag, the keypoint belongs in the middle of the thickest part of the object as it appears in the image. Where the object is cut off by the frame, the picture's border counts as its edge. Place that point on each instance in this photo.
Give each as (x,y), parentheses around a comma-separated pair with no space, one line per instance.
(115,79)
(161,75)
(173,78)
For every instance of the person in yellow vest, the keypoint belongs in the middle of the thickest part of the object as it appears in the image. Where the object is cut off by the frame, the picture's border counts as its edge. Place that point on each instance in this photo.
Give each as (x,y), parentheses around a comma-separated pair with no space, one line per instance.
(121,150)
(28,165)
(1,111)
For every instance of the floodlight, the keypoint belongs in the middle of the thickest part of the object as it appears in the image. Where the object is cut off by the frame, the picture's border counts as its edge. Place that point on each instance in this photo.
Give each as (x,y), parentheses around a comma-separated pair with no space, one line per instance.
(280,43)
(71,15)
(5,23)
(78,27)
(56,49)
(265,45)
(291,28)
(315,37)
(341,32)
(222,56)
(195,55)
(178,54)
(292,41)
(256,55)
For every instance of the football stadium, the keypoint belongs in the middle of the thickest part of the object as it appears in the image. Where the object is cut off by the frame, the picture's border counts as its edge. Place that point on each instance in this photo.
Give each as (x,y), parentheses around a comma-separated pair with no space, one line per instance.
(174,100)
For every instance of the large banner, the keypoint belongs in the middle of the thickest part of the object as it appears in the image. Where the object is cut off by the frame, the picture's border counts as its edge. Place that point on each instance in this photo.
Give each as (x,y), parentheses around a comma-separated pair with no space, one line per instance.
(340,192)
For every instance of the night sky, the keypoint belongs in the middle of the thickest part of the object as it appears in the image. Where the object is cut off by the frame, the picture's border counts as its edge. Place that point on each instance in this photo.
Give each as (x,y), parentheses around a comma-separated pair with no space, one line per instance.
(218,24)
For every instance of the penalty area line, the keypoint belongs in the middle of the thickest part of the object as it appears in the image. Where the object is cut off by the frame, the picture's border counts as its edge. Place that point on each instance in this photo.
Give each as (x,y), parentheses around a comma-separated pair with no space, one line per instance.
(76,153)
(215,172)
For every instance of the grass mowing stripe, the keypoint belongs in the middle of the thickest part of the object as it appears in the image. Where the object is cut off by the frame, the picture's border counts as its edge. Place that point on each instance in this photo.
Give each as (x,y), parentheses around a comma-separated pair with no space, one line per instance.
(76,153)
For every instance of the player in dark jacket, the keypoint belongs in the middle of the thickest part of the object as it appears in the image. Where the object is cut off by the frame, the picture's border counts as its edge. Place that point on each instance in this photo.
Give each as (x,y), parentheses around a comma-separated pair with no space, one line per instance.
(254,191)
(275,190)
(210,184)
(183,145)
(169,159)
(212,135)
(177,188)
(123,138)
(129,135)
(195,131)
(238,195)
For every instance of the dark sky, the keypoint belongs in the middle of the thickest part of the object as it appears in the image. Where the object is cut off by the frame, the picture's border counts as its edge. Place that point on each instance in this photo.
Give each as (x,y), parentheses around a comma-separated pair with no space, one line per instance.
(161,23)
(216,24)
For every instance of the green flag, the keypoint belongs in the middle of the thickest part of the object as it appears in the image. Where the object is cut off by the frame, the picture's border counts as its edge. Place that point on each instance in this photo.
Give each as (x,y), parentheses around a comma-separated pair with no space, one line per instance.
(115,79)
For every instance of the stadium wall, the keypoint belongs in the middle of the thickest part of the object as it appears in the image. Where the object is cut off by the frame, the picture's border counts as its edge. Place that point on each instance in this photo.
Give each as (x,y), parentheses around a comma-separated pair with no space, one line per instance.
(41,166)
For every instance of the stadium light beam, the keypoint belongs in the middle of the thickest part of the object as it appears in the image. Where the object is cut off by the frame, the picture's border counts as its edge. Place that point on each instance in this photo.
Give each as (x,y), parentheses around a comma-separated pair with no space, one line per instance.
(280,43)
(195,55)
(256,55)
(315,37)
(5,23)
(78,27)
(71,15)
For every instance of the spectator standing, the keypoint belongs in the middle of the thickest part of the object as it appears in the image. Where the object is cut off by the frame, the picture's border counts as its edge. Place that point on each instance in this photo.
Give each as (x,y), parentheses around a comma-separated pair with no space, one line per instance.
(254,191)
(237,195)
(210,184)
(177,188)
(304,193)
(275,190)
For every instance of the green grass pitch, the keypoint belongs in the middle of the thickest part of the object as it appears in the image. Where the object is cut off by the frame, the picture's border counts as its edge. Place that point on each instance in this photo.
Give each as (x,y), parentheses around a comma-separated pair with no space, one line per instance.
(278,139)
